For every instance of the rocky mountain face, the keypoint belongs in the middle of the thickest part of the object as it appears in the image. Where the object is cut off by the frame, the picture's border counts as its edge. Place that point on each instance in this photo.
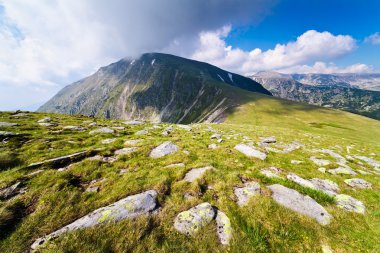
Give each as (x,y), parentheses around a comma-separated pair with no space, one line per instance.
(343,97)
(155,87)
(361,81)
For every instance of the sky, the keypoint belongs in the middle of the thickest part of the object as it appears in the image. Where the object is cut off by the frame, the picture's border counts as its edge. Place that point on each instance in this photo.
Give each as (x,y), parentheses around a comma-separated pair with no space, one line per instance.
(48,44)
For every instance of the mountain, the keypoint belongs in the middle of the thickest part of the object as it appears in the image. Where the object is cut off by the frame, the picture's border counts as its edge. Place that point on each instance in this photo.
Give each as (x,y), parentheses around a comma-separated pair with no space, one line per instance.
(155,87)
(363,102)
(361,81)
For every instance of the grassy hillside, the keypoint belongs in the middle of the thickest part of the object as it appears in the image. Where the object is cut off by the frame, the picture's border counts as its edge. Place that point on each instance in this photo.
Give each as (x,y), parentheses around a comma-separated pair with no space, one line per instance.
(54,198)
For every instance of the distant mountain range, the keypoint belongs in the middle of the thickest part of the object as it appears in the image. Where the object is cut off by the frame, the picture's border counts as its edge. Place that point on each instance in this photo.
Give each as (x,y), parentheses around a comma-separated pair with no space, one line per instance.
(155,87)
(340,91)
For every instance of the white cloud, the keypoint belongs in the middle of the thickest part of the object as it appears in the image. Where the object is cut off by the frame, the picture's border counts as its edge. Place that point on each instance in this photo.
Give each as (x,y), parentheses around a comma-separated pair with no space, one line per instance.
(327,68)
(312,46)
(373,39)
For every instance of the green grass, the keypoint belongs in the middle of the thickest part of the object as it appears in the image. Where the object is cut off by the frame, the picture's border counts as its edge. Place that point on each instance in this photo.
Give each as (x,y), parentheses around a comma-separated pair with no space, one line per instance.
(54,199)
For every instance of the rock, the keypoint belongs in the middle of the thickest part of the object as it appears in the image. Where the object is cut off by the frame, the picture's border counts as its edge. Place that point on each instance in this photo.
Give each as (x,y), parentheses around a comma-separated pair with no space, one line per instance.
(175,165)
(103,130)
(19,115)
(267,140)
(129,207)
(6,134)
(35,172)
(370,161)
(7,124)
(322,170)
(191,221)
(250,151)
(342,170)
(118,128)
(299,203)
(74,128)
(295,162)
(164,149)
(358,183)
(185,127)
(47,124)
(132,142)
(194,174)
(44,120)
(326,249)
(123,171)
(216,136)
(299,180)
(364,172)
(325,185)
(92,189)
(292,146)
(220,140)
(338,157)
(125,151)
(223,228)
(212,146)
(244,194)
(271,172)
(92,124)
(141,132)
(186,152)
(133,122)
(10,191)
(349,203)
(108,141)
(59,161)
(320,162)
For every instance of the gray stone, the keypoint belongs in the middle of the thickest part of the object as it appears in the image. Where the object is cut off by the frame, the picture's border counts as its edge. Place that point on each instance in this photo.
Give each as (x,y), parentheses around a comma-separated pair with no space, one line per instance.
(47,124)
(299,180)
(216,136)
(349,203)
(118,128)
(325,185)
(133,122)
(125,151)
(223,228)
(132,142)
(194,174)
(10,191)
(6,134)
(295,162)
(129,207)
(44,120)
(268,140)
(185,127)
(299,203)
(292,146)
(370,161)
(326,249)
(220,140)
(271,172)
(108,141)
(141,132)
(191,221)
(175,165)
(74,128)
(59,160)
(7,124)
(338,157)
(164,149)
(103,130)
(212,146)
(19,115)
(342,170)
(358,183)
(245,193)
(320,162)
(250,151)
(322,170)
(92,189)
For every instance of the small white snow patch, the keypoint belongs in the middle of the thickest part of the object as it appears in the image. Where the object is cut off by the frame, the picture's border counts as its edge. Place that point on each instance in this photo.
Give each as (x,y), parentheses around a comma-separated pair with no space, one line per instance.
(230,76)
(133,61)
(153,62)
(220,78)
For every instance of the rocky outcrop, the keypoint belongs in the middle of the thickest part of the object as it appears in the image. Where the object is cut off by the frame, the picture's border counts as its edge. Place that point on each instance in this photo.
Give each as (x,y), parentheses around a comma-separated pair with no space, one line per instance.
(250,151)
(164,149)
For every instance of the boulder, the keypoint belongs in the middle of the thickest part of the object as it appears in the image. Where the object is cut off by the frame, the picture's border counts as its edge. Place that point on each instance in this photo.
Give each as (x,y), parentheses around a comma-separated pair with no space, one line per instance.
(7,124)
(103,130)
(185,127)
(299,203)
(325,185)
(133,122)
(164,149)
(108,141)
(194,174)
(243,194)
(141,132)
(132,142)
(60,161)
(320,162)
(10,191)
(370,161)
(292,146)
(44,120)
(299,180)
(216,136)
(349,203)
(342,170)
(250,151)
(125,151)
(191,221)
(271,172)
(223,228)
(358,183)
(129,207)
(212,146)
(6,134)
(74,128)
(270,139)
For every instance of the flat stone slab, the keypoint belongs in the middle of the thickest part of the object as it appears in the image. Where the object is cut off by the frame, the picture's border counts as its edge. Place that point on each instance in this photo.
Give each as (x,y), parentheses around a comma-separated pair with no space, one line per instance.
(108,141)
(270,139)
(212,146)
(349,203)
(103,130)
(292,146)
(325,185)
(244,194)
(175,165)
(44,120)
(125,151)
(223,228)
(185,127)
(216,136)
(194,174)
(250,151)
(320,162)
(342,170)
(299,180)
(271,172)
(10,191)
(133,122)
(368,160)
(133,142)
(299,203)
(6,134)
(358,183)
(164,149)
(58,161)
(191,221)
(141,132)
(129,207)
(74,128)
(7,124)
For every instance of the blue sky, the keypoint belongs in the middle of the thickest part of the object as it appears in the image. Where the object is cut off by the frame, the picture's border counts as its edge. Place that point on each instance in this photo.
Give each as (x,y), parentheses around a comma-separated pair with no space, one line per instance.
(48,44)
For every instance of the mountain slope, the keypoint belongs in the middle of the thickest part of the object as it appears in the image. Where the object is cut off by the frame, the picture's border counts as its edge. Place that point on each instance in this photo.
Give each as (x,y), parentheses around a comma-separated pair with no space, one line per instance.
(155,87)
(364,102)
